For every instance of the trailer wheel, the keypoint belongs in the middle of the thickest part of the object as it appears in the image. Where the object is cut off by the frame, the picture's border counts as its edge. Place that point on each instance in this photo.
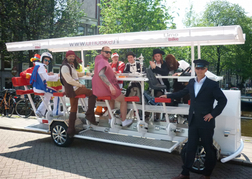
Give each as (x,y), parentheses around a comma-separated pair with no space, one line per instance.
(199,162)
(59,134)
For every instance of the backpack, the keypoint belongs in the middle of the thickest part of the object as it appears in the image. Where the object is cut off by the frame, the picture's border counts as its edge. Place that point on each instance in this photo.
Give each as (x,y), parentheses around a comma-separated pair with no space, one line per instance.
(150,99)
(134,90)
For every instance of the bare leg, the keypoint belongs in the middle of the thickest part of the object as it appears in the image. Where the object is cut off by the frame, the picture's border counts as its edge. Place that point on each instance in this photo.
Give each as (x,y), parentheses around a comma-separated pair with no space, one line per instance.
(112,106)
(123,106)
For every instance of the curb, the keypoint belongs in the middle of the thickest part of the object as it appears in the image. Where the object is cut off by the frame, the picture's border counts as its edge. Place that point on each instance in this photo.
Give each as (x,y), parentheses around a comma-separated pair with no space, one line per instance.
(22,129)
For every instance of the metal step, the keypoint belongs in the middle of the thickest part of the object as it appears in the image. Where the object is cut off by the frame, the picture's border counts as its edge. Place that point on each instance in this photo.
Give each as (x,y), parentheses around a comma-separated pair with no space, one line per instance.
(115,138)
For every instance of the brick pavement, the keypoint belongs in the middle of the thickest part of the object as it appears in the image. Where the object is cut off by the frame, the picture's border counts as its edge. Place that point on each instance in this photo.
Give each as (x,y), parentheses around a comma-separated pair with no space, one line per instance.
(33,155)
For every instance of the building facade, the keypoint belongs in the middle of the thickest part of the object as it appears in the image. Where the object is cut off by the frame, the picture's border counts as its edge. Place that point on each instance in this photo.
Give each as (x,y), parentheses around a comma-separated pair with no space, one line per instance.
(89,26)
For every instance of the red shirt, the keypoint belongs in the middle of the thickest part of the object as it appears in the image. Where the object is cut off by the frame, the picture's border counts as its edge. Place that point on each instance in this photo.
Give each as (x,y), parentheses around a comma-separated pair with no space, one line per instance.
(118,67)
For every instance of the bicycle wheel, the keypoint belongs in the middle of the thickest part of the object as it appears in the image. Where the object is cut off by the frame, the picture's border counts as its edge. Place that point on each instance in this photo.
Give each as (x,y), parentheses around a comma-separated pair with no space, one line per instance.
(38,103)
(1,107)
(23,108)
(11,108)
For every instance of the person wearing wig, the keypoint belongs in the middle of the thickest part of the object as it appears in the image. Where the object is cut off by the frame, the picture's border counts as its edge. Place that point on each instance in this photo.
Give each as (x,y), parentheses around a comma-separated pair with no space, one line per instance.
(70,80)
(39,80)
(159,67)
(176,67)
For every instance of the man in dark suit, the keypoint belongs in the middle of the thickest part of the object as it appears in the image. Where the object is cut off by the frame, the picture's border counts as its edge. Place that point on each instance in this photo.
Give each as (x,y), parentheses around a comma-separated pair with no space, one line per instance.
(203,92)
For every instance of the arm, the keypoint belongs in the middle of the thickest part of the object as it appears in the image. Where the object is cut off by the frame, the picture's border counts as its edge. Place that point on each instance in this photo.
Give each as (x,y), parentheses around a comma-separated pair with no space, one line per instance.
(127,68)
(69,79)
(43,73)
(121,67)
(162,71)
(106,81)
(179,94)
(221,100)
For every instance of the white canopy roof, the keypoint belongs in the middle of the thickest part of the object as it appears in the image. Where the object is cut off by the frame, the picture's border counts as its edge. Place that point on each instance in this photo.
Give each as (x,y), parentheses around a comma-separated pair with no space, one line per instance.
(197,36)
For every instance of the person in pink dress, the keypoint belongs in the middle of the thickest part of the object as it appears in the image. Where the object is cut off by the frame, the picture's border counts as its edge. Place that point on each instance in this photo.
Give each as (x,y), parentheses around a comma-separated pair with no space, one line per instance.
(104,83)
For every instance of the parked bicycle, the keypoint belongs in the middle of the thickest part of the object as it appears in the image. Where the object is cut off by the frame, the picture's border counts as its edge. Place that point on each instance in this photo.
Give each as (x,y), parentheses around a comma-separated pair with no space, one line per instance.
(24,108)
(7,102)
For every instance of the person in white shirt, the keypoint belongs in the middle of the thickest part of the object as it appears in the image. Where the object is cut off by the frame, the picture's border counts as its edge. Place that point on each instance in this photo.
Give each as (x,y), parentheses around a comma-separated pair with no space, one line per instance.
(38,80)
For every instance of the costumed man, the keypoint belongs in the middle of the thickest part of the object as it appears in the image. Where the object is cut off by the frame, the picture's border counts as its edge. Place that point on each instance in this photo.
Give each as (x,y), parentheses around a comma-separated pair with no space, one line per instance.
(134,87)
(203,92)
(69,78)
(159,67)
(117,66)
(104,83)
(26,74)
(39,79)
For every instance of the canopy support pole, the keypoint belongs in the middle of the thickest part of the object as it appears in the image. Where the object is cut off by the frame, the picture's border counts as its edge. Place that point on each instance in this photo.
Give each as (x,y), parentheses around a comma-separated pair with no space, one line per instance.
(199,52)
(82,58)
(192,59)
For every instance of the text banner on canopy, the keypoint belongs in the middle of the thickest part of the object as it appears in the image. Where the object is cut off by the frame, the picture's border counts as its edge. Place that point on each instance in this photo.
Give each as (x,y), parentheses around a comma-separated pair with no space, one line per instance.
(223,35)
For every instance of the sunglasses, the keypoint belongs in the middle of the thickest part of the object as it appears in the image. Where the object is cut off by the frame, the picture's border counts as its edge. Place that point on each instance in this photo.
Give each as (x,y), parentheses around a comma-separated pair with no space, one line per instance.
(200,68)
(47,60)
(108,52)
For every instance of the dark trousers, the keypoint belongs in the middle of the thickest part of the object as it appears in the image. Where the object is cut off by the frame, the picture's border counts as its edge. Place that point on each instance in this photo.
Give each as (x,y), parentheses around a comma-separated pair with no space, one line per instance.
(196,131)
(74,107)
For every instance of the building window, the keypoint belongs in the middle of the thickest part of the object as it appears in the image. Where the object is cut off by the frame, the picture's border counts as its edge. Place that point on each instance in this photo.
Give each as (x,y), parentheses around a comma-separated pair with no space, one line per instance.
(90,31)
(8,83)
(8,63)
(58,58)
(81,30)
(56,70)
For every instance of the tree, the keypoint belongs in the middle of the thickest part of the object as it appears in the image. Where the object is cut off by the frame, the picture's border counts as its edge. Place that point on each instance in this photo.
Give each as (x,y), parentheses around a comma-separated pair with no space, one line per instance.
(34,19)
(120,16)
(234,59)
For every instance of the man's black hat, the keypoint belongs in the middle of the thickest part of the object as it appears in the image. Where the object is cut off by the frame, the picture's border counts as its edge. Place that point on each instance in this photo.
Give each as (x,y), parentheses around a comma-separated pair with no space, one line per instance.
(155,51)
(130,53)
(200,63)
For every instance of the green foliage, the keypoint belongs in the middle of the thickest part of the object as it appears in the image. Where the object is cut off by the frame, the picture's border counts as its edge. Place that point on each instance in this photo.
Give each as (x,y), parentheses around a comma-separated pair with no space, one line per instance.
(34,19)
(229,60)
(119,16)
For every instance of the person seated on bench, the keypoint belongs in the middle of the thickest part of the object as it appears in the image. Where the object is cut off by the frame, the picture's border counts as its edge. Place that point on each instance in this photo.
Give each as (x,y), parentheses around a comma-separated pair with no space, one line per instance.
(134,87)
(69,78)
(39,80)
(104,83)
(176,69)
(159,67)
(118,67)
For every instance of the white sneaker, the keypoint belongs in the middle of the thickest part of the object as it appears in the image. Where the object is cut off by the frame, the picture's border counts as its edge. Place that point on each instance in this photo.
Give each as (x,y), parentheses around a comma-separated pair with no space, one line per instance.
(39,114)
(127,122)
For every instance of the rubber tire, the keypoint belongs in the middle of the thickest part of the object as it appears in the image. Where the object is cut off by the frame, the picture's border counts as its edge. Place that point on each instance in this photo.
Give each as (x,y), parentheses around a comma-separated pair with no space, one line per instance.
(10,111)
(196,168)
(25,106)
(59,134)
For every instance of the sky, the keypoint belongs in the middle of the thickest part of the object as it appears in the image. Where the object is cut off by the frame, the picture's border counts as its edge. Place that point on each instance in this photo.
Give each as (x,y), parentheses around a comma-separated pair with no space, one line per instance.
(199,7)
